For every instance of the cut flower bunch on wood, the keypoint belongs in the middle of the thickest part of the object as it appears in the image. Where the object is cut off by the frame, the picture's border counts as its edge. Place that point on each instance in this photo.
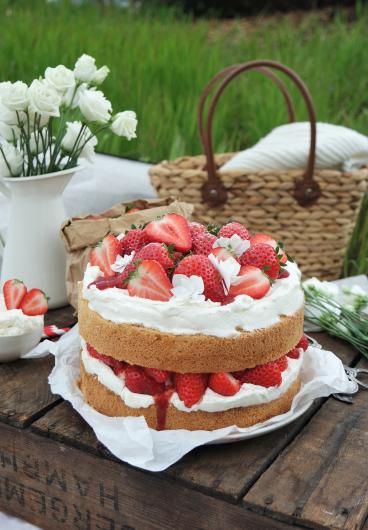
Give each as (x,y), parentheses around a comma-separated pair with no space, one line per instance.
(47,126)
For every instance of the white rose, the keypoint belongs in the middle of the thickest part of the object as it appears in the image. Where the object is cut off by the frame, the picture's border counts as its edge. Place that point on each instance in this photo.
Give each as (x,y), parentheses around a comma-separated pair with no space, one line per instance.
(85,68)
(37,141)
(73,135)
(125,124)
(44,99)
(100,75)
(16,97)
(5,87)
(94,106)
(14,160)
(60,78)
(71,97)
(9,132)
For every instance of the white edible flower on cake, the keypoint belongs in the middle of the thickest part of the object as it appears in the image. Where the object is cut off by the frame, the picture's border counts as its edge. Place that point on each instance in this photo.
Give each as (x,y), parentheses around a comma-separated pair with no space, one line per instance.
(235,244)
(122,261)
(229,269)
(188,288)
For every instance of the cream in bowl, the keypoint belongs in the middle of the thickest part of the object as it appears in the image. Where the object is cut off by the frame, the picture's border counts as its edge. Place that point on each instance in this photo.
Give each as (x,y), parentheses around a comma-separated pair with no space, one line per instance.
(19,333)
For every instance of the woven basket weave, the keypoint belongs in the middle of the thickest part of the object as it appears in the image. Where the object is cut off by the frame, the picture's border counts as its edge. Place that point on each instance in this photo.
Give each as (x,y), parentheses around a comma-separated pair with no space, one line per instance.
(312,211)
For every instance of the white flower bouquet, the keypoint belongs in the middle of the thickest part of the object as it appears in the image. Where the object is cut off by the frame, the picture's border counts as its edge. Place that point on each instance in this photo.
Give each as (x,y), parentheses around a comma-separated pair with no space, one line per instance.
(52,123)
(342,312)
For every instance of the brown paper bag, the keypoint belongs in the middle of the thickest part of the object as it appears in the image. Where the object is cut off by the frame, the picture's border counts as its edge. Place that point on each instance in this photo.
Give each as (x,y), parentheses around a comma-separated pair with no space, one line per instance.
(81,234)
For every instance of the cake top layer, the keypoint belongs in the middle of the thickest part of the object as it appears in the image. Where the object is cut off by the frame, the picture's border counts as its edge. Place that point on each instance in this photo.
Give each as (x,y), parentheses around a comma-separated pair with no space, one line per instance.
(186,278)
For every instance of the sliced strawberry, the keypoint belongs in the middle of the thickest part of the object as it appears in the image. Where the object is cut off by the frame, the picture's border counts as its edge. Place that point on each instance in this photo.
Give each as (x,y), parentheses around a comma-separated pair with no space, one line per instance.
(118,281)
(294,353)
(266,375)
(196,228)
(238,374)
(268,240)
(138,381)
(303,343)
(172,229)
(14,292)
(264,257)
(158,252)
(252,282)
(111,248)
(161,376)
(224,384)
(150,281)
(201,266)
(190,387)
(115,364)
(203,243)
(234,228)
(133,240)
(34,303)
(98,258)
(222,254)
(283,274)
(282,363)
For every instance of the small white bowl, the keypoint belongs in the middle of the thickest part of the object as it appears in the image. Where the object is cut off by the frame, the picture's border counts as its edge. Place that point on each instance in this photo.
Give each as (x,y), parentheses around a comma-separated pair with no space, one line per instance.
(13,347)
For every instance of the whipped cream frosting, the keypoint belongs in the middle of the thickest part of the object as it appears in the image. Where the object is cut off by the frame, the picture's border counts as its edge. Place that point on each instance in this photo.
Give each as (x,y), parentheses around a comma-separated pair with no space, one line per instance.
(211,401)
(14,322)
(191,317)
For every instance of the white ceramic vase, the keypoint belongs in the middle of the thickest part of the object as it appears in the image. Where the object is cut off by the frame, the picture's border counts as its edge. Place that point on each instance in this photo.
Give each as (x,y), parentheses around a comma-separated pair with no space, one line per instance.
(34,251)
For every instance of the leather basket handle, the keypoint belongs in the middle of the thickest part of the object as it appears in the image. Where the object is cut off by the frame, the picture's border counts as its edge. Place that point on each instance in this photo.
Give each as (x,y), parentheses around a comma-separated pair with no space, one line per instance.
(306,190)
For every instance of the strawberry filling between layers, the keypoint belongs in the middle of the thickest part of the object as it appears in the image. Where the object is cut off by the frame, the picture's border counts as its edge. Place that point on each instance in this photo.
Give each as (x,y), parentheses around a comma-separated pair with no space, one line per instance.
(141,387)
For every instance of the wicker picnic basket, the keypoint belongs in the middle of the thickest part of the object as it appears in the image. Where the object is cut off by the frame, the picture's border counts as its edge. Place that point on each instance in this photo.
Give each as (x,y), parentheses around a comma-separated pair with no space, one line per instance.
(312,211)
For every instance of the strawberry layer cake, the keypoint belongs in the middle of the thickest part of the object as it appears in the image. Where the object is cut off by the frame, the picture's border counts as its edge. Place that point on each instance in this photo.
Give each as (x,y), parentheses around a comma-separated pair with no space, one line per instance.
(191,326)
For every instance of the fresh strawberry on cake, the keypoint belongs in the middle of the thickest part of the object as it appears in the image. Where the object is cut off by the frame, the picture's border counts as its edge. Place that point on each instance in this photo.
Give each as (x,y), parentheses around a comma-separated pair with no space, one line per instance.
(191,326)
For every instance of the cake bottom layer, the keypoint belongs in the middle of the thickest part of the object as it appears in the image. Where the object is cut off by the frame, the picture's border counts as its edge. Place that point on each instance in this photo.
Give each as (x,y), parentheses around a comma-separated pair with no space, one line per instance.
(106,402)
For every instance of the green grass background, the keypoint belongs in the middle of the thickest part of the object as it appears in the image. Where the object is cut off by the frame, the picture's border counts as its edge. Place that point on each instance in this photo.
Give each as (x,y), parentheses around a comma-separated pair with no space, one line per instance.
(161,60)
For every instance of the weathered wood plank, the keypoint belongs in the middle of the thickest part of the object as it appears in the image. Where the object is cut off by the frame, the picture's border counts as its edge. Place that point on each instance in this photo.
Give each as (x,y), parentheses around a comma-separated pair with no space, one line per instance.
(24,390)
(59,487)
(322,477)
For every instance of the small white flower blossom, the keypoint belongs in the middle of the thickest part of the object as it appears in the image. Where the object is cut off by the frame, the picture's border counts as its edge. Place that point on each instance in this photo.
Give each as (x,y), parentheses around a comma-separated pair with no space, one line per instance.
(235,244)
(327,289)
(14,160)
(17,97)
(100,75)
(187,288)
(85,68)
(228,269)
(125,124)
(44,99)
(5,87)
(73,135)
(122,262)
(72,96)
(37,141)
(60,78)
(9,132)
(94,106)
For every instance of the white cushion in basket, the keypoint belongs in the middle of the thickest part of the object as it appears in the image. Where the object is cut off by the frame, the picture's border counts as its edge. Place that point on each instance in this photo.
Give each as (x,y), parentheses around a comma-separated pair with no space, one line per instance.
(287,147)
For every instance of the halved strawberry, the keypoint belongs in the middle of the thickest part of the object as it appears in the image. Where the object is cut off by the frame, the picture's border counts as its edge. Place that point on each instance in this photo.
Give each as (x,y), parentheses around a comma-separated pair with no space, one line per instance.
(224,384)
(139,382)
(133,240)
(201,266)
(282,363)
(303,343)
(106,359)
(294,353)
(161,376)
(283,274)
(203,243)
(105,253)
(190,387)
(222,254)
(252,282)
(34,303)
(172,229)
(266,375)
(150,280)
(14,292)
(264,257)
(234,228)
(158,252)
(268,240)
